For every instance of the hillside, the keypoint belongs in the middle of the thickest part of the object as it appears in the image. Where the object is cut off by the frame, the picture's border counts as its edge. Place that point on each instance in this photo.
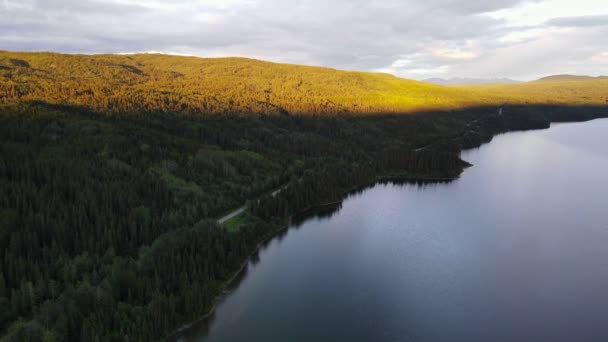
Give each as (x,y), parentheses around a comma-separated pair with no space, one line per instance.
(198,86)
(562,78)
(190,85)
(592,92)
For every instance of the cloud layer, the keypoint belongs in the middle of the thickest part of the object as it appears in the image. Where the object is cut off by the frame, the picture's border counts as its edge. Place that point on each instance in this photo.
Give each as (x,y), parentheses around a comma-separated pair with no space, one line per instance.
(434,38)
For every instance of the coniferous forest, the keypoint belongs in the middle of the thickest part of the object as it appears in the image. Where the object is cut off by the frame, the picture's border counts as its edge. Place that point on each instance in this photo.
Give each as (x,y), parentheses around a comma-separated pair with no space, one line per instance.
(110,197)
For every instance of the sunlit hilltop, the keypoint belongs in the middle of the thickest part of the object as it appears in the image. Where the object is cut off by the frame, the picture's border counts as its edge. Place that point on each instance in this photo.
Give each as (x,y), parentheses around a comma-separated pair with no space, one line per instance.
(199,86)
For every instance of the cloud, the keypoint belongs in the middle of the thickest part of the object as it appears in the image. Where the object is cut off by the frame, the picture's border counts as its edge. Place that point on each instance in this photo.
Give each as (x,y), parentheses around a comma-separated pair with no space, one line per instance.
(478,6)
(456,54)
(419,39)
(600,58)
(579,21)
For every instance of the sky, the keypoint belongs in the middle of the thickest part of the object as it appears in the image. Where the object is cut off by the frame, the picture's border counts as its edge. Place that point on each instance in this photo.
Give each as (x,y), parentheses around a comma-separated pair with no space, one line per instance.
(416,39)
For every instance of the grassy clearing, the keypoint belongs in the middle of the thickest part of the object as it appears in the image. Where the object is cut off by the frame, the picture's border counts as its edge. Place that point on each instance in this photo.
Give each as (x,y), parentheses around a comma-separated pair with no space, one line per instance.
(234,224)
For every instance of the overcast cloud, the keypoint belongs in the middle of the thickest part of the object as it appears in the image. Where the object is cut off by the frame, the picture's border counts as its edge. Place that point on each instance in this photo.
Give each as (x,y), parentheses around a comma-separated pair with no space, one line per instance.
(521,39)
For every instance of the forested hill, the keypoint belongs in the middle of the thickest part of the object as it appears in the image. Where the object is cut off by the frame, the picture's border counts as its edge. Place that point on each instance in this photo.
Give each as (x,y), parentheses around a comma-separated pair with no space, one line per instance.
(564,78)
(578,91)
(192,86)
(198,86)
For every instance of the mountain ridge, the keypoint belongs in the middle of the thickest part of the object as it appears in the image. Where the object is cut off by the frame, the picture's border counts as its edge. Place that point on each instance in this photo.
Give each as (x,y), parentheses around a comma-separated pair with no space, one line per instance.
(152,82)
(569,77)
(194,86)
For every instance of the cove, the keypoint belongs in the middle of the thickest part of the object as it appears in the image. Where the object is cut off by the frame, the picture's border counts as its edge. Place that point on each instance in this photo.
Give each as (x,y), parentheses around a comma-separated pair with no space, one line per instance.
(516,249)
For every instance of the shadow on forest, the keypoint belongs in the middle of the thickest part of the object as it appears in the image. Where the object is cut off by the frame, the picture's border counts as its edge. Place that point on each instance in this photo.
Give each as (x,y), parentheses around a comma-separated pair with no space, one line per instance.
(136,184)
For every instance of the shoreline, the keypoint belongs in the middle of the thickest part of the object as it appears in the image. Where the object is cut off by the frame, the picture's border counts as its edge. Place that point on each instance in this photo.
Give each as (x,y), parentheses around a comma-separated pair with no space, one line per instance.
(378,179)
(218,299)
(226,284)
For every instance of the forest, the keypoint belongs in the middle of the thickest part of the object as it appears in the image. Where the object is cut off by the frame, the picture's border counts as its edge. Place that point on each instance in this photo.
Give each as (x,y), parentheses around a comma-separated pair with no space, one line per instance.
(195,87)
(114,170)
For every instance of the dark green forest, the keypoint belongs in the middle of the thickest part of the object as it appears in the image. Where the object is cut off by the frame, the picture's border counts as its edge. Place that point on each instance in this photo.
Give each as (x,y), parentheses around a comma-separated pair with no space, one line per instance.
(107,224)
(110,189)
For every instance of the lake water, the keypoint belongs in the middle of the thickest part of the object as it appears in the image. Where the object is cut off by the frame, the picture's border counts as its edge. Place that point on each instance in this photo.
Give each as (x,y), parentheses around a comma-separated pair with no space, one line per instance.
(515,250)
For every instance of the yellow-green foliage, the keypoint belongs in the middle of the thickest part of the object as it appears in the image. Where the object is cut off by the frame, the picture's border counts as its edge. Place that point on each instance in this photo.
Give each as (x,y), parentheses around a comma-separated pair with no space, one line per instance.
(575,92)
(195,86)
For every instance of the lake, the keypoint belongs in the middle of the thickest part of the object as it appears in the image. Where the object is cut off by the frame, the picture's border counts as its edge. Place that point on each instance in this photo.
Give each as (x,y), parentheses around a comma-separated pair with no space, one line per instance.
(514,250)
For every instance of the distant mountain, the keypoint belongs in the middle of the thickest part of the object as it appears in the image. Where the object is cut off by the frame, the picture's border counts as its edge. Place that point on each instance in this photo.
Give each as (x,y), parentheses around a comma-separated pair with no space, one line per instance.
(459,80)
(560,78)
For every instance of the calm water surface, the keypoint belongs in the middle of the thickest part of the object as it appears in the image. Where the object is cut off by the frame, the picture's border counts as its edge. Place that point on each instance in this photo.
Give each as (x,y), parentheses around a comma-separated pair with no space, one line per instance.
(515,250)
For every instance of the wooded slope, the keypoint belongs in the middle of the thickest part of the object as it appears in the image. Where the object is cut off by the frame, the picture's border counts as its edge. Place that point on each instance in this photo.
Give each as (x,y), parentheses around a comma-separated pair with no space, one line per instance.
(200,86)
